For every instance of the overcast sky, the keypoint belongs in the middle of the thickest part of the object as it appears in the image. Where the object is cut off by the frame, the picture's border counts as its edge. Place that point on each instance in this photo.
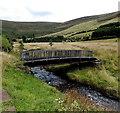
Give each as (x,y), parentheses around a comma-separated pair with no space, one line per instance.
(54,10)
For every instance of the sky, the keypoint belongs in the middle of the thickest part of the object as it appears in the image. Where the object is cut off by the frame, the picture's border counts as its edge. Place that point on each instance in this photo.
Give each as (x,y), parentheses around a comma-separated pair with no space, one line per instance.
(54,10)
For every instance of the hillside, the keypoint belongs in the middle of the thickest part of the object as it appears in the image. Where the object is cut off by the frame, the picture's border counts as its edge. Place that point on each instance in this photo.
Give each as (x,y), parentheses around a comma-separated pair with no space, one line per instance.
(87,24)
(28,28)
(40,28)
(68,29)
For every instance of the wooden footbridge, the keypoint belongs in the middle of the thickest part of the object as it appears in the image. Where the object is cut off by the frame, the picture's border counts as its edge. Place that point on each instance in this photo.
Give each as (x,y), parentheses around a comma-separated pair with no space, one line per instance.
(48,57)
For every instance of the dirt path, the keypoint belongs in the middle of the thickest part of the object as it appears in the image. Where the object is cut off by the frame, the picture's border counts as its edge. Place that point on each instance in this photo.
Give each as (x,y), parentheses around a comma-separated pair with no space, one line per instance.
(6,97)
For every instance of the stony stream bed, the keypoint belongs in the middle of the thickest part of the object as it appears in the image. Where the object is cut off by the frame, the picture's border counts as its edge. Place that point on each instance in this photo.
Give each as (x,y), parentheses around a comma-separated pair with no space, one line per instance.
(56,81)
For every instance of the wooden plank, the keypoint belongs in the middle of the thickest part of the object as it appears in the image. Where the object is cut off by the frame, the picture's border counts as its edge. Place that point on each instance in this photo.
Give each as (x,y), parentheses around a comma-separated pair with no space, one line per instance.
(38,54)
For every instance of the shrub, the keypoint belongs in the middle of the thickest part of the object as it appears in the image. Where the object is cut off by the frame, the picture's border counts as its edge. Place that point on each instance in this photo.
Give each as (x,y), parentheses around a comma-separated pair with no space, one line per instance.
(51,43)
(6,45)
(21,47)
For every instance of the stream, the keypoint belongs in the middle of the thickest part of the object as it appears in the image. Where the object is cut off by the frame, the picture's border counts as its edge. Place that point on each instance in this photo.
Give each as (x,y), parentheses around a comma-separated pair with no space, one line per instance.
(56,81)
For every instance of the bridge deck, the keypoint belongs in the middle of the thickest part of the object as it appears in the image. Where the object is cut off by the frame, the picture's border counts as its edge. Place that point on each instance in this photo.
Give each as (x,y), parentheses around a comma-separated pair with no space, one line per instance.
(57,56)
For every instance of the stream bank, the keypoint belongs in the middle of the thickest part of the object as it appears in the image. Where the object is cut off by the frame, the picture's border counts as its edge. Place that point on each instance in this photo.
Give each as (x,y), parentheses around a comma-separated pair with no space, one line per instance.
(63,84)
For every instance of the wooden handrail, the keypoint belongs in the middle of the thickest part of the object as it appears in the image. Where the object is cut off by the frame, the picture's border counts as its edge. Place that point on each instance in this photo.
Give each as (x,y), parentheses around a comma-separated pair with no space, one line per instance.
(45,54)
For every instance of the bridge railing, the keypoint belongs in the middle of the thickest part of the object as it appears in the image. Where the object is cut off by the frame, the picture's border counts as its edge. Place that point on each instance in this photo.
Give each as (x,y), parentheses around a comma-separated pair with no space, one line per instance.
(45,54)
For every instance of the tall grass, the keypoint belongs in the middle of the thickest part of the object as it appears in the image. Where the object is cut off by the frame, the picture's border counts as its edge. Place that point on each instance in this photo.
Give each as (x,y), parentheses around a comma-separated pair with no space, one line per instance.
(79,102)
(6,60)
(105,77)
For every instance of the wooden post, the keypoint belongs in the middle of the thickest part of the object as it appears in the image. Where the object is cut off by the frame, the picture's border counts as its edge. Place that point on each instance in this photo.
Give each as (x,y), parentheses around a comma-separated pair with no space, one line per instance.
(31,55)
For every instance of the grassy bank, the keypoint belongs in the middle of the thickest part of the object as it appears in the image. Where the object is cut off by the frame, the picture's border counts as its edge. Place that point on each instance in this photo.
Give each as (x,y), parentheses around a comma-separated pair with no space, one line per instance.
(32,94)
(28,93)
(105,77)
(98,79)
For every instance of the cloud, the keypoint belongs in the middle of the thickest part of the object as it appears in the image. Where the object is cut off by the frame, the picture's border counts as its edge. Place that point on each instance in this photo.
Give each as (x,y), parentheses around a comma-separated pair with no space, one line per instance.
(3,9)
(54,10)
(39,13)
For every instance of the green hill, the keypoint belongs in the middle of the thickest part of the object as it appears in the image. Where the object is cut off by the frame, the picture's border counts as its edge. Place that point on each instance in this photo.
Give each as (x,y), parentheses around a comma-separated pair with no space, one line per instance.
(87,25)
(73,28)
(28,28)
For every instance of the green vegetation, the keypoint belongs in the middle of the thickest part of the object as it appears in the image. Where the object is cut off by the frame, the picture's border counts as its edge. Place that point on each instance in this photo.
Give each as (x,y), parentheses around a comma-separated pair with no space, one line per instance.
(104,77)
(28,93)
(97,78)
(101,78)
(111,30)
(114,24)
(78,29)
(21,47)
(72,28)
(47,39)
(51,43)
(32,94)
(27,29)
(6,45)
(106,31)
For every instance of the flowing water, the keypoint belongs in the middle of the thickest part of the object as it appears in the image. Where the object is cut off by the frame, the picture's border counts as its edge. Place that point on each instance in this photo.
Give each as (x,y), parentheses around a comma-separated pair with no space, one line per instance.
(56,81)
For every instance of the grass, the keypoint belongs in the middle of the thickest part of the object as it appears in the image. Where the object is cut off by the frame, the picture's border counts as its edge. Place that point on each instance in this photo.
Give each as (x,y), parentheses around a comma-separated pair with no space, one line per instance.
(32,94)
(6,60)
(5,105)
(85,26)
(46,45)
(95,45)
(29,28)
(97,78)
(80,35)
(104,78)
(79,102)
(28,93)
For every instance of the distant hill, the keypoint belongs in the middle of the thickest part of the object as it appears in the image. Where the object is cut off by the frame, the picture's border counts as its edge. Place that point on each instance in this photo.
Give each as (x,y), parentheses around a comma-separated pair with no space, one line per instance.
(86,24)
(68,29)
(28,28)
